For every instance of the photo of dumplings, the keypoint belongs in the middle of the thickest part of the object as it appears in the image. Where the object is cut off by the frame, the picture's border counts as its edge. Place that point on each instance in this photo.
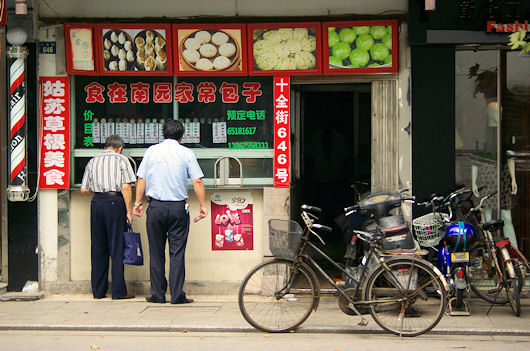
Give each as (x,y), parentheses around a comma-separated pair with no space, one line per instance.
(117,47)
(284,49)
(209,49)
(134,50)
(153,46)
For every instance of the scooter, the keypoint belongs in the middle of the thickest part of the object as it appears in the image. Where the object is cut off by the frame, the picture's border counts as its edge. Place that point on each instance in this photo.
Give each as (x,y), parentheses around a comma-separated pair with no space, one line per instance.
(455,240)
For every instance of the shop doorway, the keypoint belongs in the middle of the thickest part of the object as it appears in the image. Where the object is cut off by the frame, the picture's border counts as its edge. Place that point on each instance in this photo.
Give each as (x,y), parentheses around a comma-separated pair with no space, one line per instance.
(334,152)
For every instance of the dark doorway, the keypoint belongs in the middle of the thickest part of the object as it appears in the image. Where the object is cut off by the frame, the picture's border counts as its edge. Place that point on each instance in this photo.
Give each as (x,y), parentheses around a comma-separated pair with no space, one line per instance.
(336,152)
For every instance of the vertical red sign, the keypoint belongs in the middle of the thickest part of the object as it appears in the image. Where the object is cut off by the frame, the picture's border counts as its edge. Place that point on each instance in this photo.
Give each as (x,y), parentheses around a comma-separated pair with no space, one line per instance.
(55,125)
(3,13)
(281,131)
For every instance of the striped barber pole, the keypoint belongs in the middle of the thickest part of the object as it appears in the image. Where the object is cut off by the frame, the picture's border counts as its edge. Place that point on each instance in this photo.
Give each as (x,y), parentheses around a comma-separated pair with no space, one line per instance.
(17,117)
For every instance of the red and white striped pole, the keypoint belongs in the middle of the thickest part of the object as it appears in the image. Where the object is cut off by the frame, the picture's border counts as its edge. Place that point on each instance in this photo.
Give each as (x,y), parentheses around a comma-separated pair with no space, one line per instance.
(17,189)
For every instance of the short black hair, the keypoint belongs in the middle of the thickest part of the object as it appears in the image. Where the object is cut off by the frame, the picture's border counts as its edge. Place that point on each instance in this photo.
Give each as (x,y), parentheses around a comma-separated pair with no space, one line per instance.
(173,129)
(114,141)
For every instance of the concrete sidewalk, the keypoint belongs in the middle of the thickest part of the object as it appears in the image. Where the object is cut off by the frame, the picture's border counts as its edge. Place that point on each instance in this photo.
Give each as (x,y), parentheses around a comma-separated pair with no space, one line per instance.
(221,314)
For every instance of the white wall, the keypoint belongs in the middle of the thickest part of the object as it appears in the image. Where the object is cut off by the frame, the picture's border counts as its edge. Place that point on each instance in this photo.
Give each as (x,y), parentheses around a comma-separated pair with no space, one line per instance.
(228,8)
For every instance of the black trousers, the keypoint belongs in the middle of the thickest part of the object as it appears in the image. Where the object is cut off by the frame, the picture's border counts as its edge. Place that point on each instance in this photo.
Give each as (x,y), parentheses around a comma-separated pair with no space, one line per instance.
(167,221)
(108,221)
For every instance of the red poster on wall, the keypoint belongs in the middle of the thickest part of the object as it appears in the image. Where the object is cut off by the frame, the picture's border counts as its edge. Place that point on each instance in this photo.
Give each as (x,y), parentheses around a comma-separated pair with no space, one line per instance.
(55,123)
(281,131)
(232,224)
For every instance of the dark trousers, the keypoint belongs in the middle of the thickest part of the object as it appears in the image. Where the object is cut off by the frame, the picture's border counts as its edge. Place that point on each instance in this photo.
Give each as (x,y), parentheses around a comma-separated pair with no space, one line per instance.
(108,221)
(167,221)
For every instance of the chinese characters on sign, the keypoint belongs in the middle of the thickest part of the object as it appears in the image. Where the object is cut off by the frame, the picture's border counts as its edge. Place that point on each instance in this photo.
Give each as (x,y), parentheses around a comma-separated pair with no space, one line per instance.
(55,144)
(281,131)
(232,221)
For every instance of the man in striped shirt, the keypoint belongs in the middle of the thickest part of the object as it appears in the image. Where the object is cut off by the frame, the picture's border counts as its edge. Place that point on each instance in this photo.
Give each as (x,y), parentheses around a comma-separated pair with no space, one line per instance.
(109,176)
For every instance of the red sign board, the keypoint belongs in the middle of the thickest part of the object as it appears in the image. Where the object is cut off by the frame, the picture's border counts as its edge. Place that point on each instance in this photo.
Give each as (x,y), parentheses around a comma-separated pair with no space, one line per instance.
(281,131)
(55,124)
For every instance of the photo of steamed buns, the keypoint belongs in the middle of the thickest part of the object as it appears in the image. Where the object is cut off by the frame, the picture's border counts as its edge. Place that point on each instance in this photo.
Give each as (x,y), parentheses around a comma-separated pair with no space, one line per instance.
(209,49)
(134,50)
(284,49)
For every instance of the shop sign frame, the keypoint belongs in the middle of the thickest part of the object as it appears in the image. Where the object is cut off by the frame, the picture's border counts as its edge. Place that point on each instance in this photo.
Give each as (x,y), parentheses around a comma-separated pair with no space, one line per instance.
(182,67)
(127,29)
(382,68)
(317,53)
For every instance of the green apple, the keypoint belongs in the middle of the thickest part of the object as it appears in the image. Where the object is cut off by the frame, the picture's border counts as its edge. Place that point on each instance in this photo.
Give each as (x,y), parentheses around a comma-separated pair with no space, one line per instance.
(334,61)
(362,30)
(341,50)
(347,35)
(379,52)
(333,38)
(378,32)
(364,41)
(359,58)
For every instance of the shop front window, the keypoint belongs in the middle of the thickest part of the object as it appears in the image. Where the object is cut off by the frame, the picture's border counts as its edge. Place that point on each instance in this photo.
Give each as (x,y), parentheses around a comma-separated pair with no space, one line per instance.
(222,116)
(492,153)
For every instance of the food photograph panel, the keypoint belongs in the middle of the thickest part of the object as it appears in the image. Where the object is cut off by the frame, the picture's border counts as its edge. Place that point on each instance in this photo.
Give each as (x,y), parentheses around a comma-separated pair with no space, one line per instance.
(284,48)
(80,48)
(360,47)
(134,50)
(210,50)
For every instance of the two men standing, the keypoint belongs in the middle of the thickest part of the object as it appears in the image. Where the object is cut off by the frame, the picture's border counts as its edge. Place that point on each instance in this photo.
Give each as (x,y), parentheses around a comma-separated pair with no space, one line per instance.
(163,177)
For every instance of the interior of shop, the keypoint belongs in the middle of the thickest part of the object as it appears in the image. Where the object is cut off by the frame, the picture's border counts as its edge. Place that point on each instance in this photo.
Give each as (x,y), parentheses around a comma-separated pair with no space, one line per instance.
(335,154)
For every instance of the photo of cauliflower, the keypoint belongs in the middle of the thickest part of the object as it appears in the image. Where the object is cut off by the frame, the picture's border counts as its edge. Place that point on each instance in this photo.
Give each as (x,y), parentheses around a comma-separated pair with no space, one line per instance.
(284,49)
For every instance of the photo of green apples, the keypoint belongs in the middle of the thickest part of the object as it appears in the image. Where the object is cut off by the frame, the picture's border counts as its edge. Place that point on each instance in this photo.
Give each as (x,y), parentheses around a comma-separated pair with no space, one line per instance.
(360,46)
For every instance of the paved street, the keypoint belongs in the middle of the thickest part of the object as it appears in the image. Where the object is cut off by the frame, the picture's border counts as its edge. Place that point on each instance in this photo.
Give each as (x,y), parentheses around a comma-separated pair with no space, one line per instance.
(221,314)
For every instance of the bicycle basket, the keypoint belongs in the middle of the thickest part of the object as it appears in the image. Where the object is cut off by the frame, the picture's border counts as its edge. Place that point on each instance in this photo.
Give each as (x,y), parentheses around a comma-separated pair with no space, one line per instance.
(429,228)
(284,237)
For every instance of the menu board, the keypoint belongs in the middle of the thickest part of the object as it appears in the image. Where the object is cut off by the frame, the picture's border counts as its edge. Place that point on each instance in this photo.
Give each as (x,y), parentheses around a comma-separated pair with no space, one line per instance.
(232,112)
(229,112)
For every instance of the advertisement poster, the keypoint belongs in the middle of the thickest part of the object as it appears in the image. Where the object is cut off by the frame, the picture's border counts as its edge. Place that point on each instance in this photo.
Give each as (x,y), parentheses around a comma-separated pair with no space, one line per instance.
(217,49)
(232,225)
(135,50)
(360,47)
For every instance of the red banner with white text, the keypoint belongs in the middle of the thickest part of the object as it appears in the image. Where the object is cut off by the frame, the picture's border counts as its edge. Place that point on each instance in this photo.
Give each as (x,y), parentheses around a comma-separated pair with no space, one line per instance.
(281,131)
(55,131)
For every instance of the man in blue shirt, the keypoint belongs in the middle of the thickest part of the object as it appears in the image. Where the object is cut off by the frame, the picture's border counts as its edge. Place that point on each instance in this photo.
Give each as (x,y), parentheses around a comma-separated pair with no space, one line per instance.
(163,177)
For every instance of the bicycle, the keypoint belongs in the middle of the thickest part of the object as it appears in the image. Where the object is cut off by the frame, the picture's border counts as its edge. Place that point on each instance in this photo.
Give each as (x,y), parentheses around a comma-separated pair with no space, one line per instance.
(404,294)
(496,275)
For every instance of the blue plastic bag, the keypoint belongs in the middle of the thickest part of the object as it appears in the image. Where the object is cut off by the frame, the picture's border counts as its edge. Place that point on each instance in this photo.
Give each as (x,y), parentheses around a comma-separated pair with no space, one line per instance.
(132,247)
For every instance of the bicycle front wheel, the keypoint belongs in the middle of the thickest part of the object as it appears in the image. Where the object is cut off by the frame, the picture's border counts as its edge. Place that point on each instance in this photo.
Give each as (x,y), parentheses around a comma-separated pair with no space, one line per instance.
(276,297)
(408,300)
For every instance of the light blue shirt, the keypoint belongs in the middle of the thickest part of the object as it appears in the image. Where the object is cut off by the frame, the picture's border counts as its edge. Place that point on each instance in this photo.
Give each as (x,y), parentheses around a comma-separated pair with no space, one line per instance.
(166,168)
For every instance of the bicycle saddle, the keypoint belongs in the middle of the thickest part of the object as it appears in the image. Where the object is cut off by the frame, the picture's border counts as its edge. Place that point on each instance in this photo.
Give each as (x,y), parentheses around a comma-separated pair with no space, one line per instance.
(493,225)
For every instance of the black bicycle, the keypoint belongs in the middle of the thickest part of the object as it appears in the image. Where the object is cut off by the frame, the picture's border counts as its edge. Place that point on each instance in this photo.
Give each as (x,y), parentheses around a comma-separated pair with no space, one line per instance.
(404,294)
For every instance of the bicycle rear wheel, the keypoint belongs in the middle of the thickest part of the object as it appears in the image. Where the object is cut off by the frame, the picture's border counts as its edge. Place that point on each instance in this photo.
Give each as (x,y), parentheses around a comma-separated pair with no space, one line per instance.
(410,300)
(484,281)
(273,297)
(512,290)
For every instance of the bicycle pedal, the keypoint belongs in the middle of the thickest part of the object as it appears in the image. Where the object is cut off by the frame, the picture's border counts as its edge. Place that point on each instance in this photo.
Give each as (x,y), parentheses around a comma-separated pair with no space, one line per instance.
(363,322)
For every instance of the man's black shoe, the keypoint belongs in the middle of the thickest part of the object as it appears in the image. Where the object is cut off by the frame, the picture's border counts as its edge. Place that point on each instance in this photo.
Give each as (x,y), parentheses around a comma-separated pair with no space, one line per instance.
(181,301)
(153,300)
(100,297)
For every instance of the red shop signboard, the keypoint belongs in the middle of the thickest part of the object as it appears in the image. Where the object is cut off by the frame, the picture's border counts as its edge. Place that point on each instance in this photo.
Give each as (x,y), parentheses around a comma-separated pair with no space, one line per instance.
(281,131)
(55,123)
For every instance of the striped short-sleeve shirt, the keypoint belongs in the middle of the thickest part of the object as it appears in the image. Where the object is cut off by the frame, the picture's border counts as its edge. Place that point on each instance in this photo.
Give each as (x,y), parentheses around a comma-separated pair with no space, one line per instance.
(107,172)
